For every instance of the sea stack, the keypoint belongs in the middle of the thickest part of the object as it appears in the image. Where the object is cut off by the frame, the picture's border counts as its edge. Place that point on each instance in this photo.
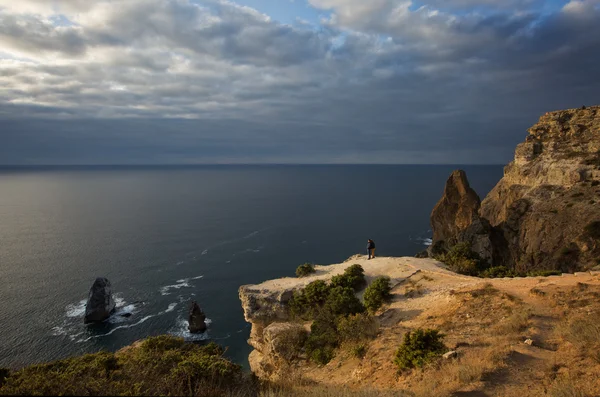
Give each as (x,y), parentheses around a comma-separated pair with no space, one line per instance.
(196,321)
(100,304)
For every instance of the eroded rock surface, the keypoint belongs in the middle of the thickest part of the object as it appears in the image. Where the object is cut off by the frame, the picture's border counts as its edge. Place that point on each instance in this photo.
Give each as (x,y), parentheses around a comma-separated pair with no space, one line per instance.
(456,219)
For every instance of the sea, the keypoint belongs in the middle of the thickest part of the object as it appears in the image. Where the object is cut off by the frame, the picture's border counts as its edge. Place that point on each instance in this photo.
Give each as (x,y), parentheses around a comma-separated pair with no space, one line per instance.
(167,235)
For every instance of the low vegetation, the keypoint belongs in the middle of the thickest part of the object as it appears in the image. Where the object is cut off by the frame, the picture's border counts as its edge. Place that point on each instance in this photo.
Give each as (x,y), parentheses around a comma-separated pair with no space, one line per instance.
(377,293)
(419,347)
(161,365)
(305,270)
(461,259)
(336,311)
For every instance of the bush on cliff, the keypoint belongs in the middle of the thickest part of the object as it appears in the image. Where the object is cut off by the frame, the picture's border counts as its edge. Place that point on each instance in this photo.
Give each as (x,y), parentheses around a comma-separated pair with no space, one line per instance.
(304,303)
(305,270)
(353,277)
(461,259)
(377,293)
(161,365)
(323,338)
(341,301)
(357,327)
(338,295)
(498,271)
(419,347)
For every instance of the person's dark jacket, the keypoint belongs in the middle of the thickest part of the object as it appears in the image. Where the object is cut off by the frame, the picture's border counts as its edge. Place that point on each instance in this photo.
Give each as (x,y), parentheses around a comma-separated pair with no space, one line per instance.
(371,245)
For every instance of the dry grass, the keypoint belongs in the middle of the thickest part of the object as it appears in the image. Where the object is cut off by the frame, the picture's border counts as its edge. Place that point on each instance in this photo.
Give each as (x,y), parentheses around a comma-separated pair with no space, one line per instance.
(470,368)
(537,292)
(583,331)
(564,387)
(331,391)
(516,322)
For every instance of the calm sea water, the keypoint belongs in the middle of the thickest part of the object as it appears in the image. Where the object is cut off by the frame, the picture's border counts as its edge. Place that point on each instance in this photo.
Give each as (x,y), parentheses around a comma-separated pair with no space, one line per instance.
(164,236)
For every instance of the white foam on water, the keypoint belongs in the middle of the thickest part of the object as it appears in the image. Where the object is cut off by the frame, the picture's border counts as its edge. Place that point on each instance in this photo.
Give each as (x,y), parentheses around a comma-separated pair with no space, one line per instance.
(58,331)
(197,277)
(183,280)
(203,253)
(182,331)
(170,308)
(76,309)
(181,284)
(118,328)
(118,316)
(427,241)
(179,263)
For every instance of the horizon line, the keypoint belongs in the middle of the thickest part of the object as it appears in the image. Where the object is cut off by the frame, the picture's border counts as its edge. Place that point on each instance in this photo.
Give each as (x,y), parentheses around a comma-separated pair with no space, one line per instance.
(245,164)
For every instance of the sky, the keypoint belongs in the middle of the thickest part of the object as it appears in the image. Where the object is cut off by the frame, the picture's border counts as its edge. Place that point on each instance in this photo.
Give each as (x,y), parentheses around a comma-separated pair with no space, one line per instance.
(288,81)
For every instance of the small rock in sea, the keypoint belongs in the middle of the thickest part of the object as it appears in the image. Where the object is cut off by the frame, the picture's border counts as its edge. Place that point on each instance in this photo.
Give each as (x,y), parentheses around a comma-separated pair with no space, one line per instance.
(125,314)
(450,354)
(529,342)
(196,320)
(100,304)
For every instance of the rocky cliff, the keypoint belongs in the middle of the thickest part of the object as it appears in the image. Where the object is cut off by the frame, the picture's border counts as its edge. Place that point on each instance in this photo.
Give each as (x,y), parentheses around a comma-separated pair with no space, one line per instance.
(544,213)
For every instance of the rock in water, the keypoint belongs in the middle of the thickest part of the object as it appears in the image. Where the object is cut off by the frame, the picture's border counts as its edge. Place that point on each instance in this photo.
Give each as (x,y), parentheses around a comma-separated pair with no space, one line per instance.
(197,319)
(100,304)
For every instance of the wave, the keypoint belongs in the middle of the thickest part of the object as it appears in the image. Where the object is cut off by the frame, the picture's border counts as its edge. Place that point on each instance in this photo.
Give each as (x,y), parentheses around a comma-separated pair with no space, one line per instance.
(183,283)
(169,309)
(76,309)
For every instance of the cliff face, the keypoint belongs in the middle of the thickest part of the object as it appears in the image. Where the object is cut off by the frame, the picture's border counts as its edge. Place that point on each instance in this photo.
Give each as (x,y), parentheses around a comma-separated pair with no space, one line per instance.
(542,212)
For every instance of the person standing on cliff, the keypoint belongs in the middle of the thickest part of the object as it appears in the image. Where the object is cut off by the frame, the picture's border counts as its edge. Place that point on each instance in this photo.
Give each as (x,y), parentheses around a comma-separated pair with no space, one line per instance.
(371,248)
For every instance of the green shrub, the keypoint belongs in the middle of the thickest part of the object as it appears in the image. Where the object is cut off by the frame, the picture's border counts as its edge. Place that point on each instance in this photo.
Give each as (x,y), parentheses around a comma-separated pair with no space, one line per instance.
(544,273)
(462,260)
(377,293)
(323,338)
(161,365)
(357,327)
(359,350)
(339,295)
(498,271)
(342,301)
(305,270)
(419,347)
(353,277)
(305,302)
(592,230)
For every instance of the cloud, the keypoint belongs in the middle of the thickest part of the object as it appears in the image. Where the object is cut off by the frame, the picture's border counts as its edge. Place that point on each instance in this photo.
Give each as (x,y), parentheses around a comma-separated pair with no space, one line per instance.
(174,80)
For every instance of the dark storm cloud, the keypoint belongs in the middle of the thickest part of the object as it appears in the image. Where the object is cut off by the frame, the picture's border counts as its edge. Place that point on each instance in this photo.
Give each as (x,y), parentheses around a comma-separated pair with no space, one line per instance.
(169,81)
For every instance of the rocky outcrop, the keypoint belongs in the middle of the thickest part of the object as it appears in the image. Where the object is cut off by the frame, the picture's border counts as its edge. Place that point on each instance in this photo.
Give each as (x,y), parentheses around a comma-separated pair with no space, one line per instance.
(279,345)
(456,219)
(196,319)
(100,304)
(541,214)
